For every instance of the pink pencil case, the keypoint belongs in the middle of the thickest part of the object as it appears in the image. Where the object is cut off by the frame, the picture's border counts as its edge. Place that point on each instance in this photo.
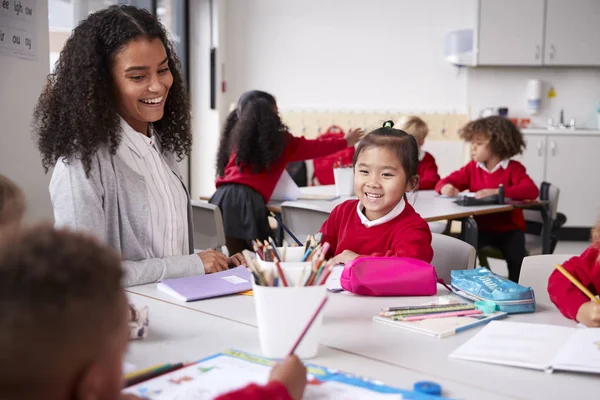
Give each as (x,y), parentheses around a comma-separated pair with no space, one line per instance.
(389,276)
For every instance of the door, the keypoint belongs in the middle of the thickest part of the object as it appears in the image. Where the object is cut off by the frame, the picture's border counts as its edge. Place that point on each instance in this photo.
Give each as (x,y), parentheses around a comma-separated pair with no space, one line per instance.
(571,166)
(510,32)
(572,32)
(534,157)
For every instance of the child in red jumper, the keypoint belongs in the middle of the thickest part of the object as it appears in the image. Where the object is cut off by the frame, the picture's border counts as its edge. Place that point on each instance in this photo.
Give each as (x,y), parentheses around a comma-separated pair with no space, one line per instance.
(381,222)
(494,140)
(254,150)
(428,170)
(64,316)
(571,302)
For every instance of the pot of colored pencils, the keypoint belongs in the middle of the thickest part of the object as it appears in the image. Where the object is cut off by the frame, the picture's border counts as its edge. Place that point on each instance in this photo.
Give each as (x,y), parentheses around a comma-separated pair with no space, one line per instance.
(286,296)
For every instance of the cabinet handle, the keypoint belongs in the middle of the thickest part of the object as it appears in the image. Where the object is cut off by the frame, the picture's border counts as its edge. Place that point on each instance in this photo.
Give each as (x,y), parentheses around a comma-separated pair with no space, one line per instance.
(537,52)
(539,148)
(551,52)
(553,147)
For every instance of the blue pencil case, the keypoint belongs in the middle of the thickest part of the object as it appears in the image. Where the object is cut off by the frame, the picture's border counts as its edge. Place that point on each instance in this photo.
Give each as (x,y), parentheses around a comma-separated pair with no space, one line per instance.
(482,284)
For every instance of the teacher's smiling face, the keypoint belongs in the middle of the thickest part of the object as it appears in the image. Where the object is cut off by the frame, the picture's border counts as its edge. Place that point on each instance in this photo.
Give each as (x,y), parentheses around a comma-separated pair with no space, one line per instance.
(142,80)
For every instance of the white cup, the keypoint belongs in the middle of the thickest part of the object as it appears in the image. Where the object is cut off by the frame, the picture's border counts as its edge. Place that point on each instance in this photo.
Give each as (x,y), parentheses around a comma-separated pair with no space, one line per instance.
(344,181)
(293,269)
(282,314)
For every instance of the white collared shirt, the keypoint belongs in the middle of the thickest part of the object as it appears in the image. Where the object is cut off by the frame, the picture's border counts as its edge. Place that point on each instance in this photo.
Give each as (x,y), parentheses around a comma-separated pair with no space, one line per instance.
(167,226)
(421,154)
(397,210)
(502,164)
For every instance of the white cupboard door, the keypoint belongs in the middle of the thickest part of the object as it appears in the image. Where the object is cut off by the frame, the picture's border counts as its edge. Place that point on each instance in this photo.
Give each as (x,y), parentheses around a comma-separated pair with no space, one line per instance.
(571,166)
(572,32)
(511,32)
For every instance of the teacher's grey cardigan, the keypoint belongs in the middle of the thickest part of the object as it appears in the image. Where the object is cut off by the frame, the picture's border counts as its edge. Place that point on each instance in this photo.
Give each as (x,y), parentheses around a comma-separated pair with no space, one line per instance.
(112,203)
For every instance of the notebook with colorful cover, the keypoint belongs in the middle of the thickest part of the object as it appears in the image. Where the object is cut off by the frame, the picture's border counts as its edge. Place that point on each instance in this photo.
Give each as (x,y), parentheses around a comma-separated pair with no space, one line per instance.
(233,369)
(235,280)
(442,327)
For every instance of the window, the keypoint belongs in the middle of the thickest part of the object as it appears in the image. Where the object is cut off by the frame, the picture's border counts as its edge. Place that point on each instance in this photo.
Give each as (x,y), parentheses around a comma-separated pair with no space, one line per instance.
(64,15)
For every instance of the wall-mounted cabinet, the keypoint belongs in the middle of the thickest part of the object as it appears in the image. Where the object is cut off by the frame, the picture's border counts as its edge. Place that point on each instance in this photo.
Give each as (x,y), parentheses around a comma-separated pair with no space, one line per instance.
(538,32)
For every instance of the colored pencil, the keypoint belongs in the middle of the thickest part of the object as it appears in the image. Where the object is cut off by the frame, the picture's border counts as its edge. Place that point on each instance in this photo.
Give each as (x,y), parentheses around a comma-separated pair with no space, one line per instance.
(310,322)
(280,222)
(440,315)
(427,307)
(164,369)
(280,272)
(575,282)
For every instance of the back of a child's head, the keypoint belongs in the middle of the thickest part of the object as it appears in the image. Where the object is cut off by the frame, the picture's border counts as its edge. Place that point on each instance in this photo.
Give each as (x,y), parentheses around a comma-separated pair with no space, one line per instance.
(400,143)
(505,139)
(62,309)
(12,202)
(416,127)
(254,131)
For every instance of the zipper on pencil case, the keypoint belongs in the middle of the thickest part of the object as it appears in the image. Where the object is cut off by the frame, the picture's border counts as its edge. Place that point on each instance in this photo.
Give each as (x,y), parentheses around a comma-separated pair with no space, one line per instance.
(474,297)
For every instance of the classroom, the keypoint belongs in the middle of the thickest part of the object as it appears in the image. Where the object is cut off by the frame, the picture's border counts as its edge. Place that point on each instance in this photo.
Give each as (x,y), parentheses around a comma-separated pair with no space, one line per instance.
(287,199)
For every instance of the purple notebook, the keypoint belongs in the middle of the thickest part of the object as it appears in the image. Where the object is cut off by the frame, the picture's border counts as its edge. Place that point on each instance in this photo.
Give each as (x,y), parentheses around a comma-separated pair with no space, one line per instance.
(200,287)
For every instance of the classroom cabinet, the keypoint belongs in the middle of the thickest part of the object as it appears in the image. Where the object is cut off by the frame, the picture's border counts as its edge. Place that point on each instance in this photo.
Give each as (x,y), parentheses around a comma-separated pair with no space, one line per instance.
(511,32)
(567,161)
(538,32)
(572,32)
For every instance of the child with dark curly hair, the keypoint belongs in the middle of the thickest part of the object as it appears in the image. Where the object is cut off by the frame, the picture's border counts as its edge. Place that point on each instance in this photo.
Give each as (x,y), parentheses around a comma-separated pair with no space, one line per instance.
(494,140)
(571,302)
(63,322)
(12,202)
(254,150)
(112,121)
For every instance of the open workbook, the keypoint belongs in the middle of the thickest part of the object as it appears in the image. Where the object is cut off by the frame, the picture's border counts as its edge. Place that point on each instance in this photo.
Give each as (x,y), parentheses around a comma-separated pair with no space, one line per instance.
(234,369)
(535,346)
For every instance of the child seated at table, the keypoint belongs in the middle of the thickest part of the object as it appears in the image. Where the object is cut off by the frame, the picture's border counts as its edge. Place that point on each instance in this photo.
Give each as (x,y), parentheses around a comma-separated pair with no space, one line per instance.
(494,140)
(12,202)
(428,170)
(63,321)
(381,222)
(571,302)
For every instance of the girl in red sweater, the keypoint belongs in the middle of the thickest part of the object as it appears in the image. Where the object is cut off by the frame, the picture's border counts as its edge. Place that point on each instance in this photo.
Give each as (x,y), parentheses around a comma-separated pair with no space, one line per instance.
(381,222)
(567,297)
(428,170)
(494,140)
(254,150)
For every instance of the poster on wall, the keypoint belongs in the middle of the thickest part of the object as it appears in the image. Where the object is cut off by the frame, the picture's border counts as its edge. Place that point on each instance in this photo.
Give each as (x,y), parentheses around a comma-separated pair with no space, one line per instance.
(18,28)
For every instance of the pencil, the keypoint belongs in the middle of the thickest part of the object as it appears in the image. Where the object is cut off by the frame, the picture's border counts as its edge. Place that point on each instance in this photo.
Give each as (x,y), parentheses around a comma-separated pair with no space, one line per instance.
(285,228)
(310,322)
(280,272)
(164,369)
(575,282)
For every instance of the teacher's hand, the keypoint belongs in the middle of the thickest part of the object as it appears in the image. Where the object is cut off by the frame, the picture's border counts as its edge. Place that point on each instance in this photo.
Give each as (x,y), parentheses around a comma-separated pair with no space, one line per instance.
(236,260)
(213,261)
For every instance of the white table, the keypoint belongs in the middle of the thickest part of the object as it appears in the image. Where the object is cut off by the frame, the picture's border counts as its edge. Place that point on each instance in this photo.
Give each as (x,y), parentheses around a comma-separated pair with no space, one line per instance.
(182,334)
(347,327)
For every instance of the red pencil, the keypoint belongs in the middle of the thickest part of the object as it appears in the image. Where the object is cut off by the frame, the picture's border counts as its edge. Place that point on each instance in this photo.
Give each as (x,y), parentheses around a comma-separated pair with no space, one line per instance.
(280,272)
(312,319)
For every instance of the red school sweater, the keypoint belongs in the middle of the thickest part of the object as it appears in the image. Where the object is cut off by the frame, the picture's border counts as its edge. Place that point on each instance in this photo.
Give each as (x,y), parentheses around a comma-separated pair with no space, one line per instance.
(296,149)
(407,235)
(428,172)
(517,186)
(272,391)
(566,296)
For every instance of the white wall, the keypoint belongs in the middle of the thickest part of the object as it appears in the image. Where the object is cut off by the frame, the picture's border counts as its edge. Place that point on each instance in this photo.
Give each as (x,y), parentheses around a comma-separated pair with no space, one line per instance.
(577,91)
(21,82)
(377,54)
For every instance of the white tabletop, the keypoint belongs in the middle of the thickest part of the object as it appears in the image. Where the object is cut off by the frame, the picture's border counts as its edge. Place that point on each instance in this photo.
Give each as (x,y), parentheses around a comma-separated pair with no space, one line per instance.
(347,326)
(428,203)
(180,334)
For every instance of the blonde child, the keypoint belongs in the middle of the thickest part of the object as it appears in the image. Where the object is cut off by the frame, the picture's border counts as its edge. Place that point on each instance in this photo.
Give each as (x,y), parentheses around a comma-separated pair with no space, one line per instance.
(63,318)
(571,302)
(12,202)
(381,222)
(494,140)
(428,170)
